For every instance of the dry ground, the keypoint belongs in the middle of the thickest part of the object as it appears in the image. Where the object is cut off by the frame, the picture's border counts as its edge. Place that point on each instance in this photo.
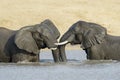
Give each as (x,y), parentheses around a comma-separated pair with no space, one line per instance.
(18,13)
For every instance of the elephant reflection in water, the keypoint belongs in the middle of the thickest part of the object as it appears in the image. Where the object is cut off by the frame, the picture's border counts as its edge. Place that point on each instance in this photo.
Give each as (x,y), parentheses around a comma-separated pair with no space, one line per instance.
(94,39)
(24,45)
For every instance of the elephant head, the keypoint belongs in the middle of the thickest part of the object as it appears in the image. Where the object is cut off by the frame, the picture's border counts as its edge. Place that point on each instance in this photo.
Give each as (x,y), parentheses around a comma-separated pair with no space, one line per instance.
(85,33)
(35,37)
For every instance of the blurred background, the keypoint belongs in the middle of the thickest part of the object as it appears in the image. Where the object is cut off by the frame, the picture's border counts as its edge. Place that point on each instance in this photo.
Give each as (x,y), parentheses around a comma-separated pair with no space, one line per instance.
(15,14)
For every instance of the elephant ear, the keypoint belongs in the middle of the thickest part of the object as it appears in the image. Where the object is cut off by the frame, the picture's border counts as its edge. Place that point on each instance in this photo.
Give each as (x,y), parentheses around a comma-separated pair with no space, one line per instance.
(25,41)
(93,35)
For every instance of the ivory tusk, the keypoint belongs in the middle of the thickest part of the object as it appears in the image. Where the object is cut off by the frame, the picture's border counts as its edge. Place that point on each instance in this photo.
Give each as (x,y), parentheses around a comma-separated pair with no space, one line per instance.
(61,43)
(53,48)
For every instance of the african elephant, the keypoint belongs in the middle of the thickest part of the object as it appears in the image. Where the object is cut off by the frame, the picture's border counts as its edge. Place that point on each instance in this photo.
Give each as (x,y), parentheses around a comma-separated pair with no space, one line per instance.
(94,39)
(24,45)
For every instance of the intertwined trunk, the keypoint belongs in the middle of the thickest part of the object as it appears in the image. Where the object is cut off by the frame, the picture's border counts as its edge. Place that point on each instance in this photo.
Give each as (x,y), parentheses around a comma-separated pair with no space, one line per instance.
(62,47)
(56,55)
(62,53)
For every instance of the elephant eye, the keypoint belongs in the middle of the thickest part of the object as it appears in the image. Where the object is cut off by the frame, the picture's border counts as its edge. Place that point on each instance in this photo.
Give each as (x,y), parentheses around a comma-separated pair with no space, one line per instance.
(78,37)
(40,37)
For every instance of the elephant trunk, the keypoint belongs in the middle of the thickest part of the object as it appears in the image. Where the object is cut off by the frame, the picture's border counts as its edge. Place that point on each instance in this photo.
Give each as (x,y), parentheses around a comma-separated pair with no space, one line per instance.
(62,53)
(56,55)
(68,37)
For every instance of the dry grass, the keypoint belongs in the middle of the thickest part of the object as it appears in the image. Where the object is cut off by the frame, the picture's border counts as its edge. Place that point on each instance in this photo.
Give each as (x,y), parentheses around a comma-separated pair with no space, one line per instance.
(18,13)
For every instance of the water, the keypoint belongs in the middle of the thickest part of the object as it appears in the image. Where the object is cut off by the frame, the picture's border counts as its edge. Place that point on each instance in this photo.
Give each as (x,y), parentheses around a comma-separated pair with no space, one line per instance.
(77,68)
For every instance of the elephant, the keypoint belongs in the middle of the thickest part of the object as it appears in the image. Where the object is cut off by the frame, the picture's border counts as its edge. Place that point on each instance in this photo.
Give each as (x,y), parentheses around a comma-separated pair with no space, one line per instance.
(93,39)
(24,45)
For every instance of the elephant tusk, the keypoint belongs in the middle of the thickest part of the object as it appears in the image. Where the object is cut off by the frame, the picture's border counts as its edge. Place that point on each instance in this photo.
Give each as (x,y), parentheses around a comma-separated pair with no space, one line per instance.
(61,43)
(53,48)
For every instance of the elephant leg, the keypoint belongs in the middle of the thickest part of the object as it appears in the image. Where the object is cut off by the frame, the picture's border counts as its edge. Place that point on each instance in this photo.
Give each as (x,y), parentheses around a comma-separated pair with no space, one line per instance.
(56,56)
(35,58)
(25,57)
(94,54)
(88,53)
(20,57)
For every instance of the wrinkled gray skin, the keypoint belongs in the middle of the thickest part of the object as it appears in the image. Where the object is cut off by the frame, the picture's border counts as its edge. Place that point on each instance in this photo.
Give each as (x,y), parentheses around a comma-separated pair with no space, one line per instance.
(24,45)
(94,39)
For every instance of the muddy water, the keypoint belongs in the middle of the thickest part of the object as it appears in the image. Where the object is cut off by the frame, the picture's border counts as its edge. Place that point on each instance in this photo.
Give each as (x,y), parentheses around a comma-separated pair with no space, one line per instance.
(77,68)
